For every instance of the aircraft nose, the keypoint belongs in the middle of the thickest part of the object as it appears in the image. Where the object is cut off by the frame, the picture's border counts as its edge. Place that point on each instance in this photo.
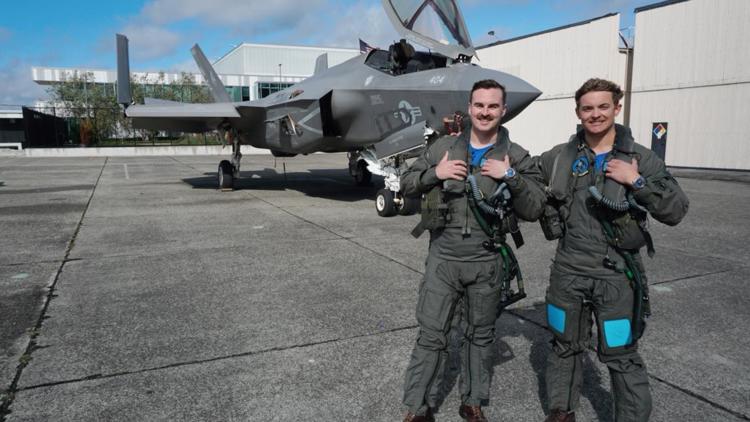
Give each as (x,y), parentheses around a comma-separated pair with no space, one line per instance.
(519,93)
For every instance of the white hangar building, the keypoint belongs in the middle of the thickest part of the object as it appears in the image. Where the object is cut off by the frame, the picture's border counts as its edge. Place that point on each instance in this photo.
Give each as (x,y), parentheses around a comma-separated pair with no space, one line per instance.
(689,71)
(248,71)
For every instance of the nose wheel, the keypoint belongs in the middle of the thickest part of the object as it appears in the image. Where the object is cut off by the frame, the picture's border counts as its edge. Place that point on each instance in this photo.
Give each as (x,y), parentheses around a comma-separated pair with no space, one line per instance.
(385,204)
(389,203)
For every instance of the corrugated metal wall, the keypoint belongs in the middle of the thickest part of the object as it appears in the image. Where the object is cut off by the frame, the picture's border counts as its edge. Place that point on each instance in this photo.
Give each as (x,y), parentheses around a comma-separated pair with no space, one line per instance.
(692,70)
(557,62)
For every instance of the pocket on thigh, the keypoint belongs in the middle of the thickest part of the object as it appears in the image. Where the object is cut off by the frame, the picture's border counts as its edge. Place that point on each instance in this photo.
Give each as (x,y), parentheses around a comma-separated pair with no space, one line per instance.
(615,333)
(434,309)
(482,306)
(564,319)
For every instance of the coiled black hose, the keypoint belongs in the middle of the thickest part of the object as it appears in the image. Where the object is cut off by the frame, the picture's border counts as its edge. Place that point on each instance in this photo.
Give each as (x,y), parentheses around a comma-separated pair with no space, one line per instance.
(617,206)
(477,194)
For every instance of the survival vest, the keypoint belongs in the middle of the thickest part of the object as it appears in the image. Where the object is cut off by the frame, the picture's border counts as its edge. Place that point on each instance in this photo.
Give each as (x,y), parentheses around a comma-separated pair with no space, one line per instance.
(616,205)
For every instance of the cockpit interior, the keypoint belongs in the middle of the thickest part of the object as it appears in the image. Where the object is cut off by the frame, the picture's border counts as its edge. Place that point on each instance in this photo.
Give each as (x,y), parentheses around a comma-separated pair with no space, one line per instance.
(401,58)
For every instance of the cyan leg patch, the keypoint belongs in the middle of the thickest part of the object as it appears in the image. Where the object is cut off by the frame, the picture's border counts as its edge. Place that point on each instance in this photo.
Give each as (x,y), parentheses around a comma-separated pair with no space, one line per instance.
(556,318)
(617,332)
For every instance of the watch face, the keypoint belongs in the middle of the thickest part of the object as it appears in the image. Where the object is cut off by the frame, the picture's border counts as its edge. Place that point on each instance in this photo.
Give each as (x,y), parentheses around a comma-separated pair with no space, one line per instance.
(510,172)
(639,182)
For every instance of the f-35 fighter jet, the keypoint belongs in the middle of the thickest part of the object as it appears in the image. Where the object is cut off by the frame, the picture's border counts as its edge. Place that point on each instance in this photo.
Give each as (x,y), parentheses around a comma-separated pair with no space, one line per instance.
(378,107)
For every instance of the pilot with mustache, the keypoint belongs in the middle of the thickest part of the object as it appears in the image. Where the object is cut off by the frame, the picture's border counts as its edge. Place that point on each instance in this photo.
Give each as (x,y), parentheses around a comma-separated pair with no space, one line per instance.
(468,258)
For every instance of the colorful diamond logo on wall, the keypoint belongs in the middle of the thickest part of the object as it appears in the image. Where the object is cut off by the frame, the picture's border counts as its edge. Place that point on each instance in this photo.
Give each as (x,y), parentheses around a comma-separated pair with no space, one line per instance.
(660,131)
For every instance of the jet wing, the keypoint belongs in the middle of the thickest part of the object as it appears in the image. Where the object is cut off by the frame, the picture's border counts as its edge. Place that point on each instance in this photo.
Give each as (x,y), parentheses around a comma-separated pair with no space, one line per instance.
(181,117)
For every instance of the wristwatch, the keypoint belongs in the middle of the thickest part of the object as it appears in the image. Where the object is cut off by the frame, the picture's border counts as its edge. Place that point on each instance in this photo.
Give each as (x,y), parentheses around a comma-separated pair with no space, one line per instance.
(510,173)
(638,183)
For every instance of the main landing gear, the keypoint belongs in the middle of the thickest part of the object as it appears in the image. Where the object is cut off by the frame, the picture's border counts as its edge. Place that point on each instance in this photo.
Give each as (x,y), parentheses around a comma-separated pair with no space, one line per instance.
(229,171)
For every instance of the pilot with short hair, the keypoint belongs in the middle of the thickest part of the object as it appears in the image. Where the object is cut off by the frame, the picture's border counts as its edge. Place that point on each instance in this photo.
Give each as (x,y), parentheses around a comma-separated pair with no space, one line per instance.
(601,185)
(461,179)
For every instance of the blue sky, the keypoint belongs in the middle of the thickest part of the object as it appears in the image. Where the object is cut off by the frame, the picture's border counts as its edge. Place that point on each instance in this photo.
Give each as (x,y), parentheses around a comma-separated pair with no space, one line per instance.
(80,33)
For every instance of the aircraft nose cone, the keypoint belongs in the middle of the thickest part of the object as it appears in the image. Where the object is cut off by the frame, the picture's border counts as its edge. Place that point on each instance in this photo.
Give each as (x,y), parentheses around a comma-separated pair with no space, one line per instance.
(519,93)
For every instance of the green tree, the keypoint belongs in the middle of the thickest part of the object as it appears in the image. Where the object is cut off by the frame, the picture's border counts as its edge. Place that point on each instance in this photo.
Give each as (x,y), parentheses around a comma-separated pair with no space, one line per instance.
(94,106)
(88,103)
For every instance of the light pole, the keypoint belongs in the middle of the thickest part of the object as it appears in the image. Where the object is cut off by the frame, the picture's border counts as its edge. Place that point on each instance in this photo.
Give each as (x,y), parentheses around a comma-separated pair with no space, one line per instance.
(279,77)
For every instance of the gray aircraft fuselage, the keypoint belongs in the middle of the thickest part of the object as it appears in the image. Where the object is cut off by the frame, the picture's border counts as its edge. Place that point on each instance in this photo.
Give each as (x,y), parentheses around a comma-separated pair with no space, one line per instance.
(382,99)
(354,105)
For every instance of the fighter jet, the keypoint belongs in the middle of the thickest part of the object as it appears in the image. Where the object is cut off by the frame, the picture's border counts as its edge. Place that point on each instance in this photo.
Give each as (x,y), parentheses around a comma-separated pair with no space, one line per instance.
(378,107)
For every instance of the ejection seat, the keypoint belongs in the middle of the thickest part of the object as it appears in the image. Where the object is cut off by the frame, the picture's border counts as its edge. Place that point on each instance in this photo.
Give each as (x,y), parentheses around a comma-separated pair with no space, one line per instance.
(400,52)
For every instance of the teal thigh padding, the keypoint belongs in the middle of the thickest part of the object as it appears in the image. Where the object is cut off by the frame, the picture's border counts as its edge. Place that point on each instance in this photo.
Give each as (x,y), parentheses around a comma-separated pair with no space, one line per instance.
(556,318)
(617,332)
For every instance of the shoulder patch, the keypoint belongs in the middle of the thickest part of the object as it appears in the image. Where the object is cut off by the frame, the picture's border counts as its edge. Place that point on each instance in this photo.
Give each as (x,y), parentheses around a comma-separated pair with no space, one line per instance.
(581,166)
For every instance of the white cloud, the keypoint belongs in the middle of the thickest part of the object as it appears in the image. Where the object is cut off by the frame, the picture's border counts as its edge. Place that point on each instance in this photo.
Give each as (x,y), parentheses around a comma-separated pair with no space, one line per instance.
(362,20)
(150,41)
(187,65)
(244,17)
(18,87)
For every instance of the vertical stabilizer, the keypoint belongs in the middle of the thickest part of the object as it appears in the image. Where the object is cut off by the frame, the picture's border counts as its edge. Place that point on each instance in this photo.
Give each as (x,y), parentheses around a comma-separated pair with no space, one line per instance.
(321,64)
(124,96)
(215,86)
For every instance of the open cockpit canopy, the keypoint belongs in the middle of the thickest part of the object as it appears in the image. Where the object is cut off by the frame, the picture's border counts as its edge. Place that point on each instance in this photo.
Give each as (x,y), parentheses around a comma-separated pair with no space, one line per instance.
(435,24)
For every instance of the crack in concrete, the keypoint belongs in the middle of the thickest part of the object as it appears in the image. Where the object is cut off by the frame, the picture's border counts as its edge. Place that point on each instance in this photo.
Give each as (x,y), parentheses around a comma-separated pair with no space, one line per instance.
(18,264)
(214,359)
(9,394)
(701,398)
(689,277)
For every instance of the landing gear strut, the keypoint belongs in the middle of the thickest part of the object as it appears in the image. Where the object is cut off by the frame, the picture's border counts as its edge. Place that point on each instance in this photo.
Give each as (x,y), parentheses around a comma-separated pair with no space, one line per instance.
(358,169)
(229,171)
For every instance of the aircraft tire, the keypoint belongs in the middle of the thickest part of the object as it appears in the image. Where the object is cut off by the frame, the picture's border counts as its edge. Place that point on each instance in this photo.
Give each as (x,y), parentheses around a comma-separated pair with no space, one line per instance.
(408,206)
(384,203)
(362,177)
(226,175)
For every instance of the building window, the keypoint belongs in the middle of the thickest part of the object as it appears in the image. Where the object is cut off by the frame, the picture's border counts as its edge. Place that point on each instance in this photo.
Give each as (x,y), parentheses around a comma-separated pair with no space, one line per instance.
(267,88)
(245,93)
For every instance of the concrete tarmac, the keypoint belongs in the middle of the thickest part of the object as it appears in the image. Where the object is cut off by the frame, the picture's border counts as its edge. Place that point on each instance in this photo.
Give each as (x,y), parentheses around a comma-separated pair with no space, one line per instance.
(132,289)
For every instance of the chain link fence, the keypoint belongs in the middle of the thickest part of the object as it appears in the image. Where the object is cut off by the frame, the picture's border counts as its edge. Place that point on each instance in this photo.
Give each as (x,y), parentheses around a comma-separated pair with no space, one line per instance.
(60,127)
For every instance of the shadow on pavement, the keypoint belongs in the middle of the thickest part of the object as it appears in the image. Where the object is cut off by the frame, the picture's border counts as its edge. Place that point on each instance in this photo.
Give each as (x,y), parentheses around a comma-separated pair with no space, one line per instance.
(335,184)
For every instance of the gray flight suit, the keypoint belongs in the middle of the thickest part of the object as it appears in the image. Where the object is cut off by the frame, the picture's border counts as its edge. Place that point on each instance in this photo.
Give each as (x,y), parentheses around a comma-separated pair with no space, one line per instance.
(458,266)
(580,284)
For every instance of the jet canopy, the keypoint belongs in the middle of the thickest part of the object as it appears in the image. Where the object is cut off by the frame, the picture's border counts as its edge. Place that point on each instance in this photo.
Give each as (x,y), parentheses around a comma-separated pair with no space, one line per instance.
(435,24)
